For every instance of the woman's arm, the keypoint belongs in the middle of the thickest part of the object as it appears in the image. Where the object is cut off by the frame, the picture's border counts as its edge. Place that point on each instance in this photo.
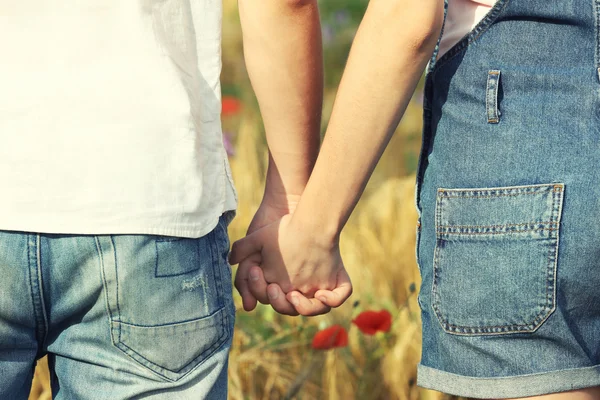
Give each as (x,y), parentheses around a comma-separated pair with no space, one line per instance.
(393,45)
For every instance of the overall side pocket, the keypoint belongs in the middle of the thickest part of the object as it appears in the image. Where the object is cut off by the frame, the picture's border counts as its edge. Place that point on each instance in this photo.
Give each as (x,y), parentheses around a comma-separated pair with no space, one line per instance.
(495,258)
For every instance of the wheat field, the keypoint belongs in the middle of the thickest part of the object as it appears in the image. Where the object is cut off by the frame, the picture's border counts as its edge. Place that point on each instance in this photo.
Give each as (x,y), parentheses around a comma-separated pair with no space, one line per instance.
(271,356)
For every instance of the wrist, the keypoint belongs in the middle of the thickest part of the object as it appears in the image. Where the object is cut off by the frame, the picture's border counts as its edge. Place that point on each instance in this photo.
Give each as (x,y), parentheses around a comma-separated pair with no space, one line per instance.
(284,202)
(323,228)
(288,173)
(284,191)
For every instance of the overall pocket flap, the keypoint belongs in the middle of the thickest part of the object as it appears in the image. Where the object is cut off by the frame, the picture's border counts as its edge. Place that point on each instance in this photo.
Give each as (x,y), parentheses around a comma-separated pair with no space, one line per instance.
(529,210)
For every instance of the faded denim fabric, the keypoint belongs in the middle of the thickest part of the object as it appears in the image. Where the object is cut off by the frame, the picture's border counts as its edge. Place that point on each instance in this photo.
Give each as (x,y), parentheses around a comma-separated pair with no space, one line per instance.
(508,193)
(120,316)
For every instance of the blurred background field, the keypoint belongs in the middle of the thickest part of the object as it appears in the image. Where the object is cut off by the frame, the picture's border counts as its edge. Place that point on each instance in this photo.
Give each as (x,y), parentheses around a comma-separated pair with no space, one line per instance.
(272,356)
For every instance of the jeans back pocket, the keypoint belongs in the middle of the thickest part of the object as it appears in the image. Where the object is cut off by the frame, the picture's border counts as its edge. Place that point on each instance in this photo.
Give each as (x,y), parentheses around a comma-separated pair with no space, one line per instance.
(169,299)
(495,258)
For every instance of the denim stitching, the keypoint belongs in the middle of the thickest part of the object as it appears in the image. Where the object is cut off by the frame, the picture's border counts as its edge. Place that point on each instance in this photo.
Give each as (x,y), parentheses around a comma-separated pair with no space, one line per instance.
(418,260)
(103,275)
(597,28)
(41,319)
(41,286)
(553,257)
(550,305)
(551,269)
(493,196)
(496,226)
(109,308)
(558,212)
(491,98)
(487,197)
(436,49)
(171,324)
(31,289)
(499,192)
(523,189)
(166,275)
(484,25)
(216,264)
(116,285)
(495,232)
(436,257)
(164,372)
(167,239)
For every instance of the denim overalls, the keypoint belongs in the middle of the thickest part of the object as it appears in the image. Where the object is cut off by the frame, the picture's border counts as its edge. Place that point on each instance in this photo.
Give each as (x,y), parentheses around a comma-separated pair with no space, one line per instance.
(508,190)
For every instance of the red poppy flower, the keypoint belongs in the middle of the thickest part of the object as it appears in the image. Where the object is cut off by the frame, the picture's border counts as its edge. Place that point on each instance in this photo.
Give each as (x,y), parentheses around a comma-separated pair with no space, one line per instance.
(230,105)
(371,322)
(334,336)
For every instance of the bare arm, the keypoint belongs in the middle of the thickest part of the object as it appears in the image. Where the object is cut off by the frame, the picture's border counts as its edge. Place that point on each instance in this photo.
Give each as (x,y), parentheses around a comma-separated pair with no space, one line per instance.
(393,45)
(282,48)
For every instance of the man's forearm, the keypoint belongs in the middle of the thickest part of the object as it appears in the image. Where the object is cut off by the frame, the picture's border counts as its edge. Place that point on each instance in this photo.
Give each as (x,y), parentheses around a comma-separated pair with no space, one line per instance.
(391,49)
(282,48)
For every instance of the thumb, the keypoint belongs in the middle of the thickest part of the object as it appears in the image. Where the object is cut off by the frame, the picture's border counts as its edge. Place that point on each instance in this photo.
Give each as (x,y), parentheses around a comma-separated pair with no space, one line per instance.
(245,247)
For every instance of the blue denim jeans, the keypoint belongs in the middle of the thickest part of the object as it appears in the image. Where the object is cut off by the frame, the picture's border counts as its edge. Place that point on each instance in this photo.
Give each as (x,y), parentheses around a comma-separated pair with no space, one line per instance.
(119,316)
(508,191)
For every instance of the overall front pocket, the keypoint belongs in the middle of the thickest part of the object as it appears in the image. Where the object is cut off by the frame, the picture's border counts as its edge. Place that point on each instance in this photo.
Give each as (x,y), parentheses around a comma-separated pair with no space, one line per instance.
(495,258)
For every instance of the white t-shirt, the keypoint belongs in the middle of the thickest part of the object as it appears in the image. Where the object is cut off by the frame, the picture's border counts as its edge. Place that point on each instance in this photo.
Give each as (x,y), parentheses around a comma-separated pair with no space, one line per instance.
(463,16)
(110,117)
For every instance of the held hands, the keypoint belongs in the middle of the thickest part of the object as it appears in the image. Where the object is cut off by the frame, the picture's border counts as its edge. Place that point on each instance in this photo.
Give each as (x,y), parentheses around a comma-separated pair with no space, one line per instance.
(285,265)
